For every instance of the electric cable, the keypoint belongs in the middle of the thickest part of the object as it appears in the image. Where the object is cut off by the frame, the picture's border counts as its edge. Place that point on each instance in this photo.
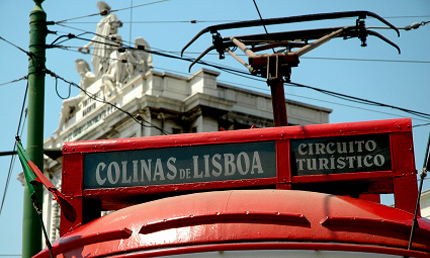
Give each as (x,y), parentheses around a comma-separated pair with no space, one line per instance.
(16,46)
(13,81)
(303,57)
(419,125)
(261,17)
(414,26)
(360,100)
(178,21)
(13,157)
(266,91)
(117,10)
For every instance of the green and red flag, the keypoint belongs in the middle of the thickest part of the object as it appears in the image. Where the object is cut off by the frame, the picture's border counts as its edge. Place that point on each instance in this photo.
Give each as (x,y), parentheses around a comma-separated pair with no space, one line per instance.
(33,174)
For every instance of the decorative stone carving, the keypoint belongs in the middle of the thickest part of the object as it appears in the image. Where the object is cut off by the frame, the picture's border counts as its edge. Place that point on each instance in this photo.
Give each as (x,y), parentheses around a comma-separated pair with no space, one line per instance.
(115,75)
(143,58)
(84,70)
(103,43)
(113,64)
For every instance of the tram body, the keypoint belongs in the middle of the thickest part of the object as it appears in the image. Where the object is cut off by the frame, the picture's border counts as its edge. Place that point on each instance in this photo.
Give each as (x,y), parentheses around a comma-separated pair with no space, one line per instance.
(299,191)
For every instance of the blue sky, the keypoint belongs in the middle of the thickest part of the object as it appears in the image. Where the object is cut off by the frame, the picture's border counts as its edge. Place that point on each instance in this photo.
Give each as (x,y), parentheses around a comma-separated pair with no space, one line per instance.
(380,73)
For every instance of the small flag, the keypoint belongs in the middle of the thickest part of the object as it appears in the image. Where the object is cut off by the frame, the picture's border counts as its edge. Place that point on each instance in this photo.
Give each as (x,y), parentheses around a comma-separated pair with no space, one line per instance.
(33,174)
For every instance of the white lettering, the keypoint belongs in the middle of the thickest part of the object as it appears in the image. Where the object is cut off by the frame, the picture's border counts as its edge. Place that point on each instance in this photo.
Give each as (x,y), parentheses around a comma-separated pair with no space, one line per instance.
(370,145)
(135,171)
(300,163)
(229,166)
(366,161)
(197,174)
(99,179)
(113,172)
(145,169)
(125,180)
(379,160)
(256,163)
(243,170)
(330,149)
(301,148)
(216,163)
(159,171)
(171,166)
(319,148)
(206,158)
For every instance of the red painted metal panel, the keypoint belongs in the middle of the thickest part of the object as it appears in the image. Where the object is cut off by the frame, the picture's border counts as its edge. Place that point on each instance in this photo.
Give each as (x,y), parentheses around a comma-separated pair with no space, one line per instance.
(283,164)
(399,180)
(258,134)
(246,220)
(71,187)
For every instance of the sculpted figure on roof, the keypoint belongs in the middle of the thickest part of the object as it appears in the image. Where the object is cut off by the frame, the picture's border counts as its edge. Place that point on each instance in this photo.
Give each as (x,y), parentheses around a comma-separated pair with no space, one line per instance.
(104,41)
(114,64)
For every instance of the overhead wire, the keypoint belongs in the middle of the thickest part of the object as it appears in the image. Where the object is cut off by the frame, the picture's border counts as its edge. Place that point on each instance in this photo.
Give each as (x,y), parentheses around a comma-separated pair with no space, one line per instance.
(16,46)
(246,74)
(303,57)
(13,157)
(172,21)
(117,10)
(414,26)
(13,81)
(266,91)
(419,125)
(261,17)
(361,100)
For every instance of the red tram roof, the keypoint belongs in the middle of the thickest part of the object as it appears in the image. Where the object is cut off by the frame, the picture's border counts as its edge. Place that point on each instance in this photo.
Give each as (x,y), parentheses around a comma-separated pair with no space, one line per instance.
(247,220)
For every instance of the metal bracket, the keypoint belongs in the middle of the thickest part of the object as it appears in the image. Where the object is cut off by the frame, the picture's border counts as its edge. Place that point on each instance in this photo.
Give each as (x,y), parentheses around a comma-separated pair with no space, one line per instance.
(306,40)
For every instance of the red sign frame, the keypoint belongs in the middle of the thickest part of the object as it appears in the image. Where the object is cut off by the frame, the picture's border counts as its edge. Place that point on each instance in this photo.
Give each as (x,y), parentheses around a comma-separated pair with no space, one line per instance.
(400,180)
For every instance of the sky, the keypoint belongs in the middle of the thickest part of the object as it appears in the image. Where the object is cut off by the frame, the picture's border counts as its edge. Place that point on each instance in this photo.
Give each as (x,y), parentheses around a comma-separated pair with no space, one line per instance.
(376,72)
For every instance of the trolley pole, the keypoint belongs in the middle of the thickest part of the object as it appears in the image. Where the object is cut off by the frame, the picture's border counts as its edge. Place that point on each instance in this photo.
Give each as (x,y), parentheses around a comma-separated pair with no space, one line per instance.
(278,101)
(31,228)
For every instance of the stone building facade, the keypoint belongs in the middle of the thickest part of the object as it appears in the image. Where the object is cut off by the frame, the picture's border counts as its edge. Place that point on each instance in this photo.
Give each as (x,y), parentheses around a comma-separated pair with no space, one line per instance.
(425,204)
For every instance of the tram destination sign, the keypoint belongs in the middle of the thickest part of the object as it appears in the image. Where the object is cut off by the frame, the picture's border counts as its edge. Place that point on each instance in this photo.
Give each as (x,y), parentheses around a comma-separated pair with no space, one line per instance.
(180,165)
(343,154)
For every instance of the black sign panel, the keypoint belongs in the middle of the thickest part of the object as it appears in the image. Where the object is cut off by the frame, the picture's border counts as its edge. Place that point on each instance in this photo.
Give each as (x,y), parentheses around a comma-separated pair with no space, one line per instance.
(345,154)
(179,165)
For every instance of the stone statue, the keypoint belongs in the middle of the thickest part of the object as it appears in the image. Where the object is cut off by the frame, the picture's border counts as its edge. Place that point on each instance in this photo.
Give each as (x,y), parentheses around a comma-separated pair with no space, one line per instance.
(126,64)
(70,105)
(112,64)
(104,41)
(84,70)
(143,58)
(117,70)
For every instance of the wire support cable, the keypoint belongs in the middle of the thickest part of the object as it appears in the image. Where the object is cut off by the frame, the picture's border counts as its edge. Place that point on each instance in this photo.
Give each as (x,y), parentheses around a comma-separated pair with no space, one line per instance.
(19,130)
(414,26)
(361,100)
(117,10)
(16,46)
(13,81)
(161,22)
